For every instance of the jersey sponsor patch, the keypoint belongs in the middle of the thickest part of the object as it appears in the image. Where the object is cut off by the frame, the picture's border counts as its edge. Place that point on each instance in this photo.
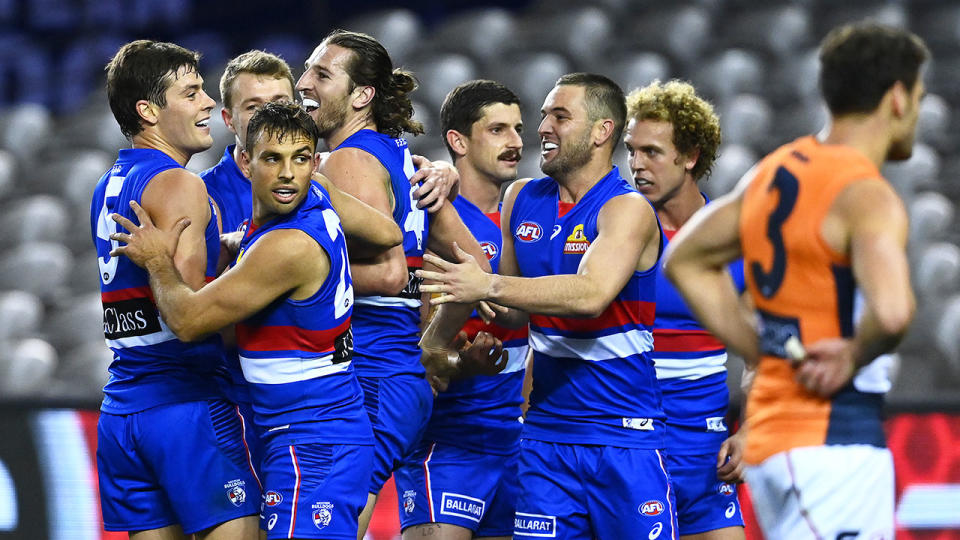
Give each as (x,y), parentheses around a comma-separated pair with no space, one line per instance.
(529,231)
(455,504)
(651,508)
(577,242)
(535,525)
(639,424)
(129,318)
(715,424)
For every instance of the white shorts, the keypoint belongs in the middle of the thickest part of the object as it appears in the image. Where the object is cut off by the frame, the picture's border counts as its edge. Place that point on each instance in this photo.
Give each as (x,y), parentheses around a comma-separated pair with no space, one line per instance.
(837,492)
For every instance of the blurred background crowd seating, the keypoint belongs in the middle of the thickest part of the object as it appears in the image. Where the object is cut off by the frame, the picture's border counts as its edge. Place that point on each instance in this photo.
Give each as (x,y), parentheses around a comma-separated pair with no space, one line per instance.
(754,59)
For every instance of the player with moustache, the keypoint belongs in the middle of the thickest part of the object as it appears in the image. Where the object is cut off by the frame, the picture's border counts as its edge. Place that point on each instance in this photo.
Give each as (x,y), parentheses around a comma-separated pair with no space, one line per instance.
(163,416)
(361,106)
(290,295)
(672,137)
(580,249)
(460,481)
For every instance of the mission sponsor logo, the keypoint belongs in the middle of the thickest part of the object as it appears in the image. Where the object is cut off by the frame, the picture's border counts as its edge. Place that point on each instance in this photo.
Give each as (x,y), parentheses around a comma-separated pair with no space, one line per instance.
(534,525)
(715,424)
(577,243)
(455,504)
(651,508)
(528,231)
(489,249)
(639,424)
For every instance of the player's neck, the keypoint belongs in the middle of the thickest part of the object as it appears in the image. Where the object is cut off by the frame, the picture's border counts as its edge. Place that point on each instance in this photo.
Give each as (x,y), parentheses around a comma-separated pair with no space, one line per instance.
(678,209)
(352,125)
(479,189)
(575,184)
(152,140)
(866,133)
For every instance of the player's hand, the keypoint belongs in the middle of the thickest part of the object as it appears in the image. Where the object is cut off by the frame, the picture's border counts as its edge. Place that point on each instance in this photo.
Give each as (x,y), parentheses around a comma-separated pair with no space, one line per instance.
(230,242)
(483,356)
(439,181)
(827,367)
(145,242)
(462,281)
(730,458)
(488,311)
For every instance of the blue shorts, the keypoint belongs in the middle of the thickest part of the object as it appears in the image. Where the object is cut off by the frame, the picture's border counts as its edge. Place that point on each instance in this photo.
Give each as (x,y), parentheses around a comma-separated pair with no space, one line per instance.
(704,503)
(440,483)
(149,465)
(588,491)
(314,490)
(251,436)
(399,409)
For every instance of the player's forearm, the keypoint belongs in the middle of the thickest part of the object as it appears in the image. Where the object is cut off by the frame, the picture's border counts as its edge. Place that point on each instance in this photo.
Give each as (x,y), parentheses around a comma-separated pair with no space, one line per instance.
(446,323)
(711,295)
(384,275)
(567,295)
(172,297)
(873,338)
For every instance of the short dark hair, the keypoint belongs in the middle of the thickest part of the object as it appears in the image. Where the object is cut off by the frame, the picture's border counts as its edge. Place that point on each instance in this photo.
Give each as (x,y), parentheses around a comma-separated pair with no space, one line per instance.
(280,120)
(254,62)
(370,65)
(859,62)
(464,105)
(143,69)
(604,99)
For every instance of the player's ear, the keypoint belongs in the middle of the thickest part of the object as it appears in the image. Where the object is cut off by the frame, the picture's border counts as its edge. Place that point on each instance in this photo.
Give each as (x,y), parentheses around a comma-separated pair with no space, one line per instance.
(363,96)
(690,159)
(603,131)
(457,141)
(244,163)
(147,111)
(227,116)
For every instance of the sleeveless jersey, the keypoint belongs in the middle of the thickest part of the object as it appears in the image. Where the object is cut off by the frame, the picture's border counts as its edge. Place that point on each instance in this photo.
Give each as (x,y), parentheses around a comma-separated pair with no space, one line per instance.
(482,413)
(150,366)
(296,354)
(594,380)
(233,195)
(691,367)
(386,327)
(801,287)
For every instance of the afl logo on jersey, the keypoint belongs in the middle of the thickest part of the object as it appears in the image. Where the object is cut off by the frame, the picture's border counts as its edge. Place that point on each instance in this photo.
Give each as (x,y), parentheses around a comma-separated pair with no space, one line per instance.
(651,508)
(272,498)
(489,249)
(725,489)
(529,231)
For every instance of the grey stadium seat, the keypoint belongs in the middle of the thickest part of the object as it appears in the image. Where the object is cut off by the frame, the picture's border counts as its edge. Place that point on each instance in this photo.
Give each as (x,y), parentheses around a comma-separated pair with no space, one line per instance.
(398,30)
(780,30)
(484,33)
(732,72)
(37,218)
(682,33)
(931,215)
(947,335)
(746,119)
(636,70)
(78,320)
(26,366)
(923,166)
(732,163)
(24,129)
(41,268)
(937,270)
(20,314)
(440,73)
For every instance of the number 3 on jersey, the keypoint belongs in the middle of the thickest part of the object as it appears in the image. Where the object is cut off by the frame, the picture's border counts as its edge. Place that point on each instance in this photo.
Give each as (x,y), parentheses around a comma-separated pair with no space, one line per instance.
(769,282)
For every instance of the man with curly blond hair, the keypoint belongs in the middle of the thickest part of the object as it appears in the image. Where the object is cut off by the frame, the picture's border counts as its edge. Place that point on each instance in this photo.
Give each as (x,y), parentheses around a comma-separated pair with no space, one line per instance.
(672,137)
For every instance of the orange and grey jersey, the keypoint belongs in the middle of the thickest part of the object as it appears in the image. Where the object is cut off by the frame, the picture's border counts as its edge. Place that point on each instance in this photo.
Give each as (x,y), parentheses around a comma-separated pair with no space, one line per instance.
(801,287)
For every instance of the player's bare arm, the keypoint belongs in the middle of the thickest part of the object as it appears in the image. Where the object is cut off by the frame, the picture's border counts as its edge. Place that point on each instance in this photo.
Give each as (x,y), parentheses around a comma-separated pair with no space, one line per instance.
(604,270)
(875,236)
(360,174)
(243,290)
(170,196)
(368,231)
(697,263)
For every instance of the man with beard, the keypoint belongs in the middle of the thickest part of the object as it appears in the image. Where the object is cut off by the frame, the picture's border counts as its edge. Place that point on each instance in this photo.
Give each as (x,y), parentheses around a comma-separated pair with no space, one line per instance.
(361,107)
(672,137)
(580,249)
(814,222)
(460,481)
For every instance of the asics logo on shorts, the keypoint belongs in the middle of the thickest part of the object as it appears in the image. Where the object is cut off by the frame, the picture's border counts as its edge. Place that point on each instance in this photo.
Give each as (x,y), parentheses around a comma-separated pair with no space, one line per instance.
(655,531)
(535,525)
